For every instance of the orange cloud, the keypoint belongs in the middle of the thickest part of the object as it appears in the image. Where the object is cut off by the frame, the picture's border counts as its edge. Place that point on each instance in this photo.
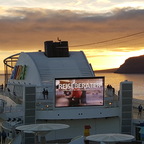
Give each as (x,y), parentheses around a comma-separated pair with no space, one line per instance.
(28,28)
(24,29)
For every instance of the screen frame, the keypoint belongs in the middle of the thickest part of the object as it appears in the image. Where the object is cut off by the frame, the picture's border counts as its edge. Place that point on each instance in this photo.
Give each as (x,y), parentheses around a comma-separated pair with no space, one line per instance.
(81,78)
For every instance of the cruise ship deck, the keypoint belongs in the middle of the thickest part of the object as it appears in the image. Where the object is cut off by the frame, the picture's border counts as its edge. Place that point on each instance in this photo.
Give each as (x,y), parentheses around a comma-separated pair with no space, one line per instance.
(108,105)
(76,97)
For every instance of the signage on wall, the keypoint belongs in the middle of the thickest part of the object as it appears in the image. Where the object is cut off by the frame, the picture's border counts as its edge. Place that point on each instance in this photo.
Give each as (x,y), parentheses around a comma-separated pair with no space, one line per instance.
(19,72)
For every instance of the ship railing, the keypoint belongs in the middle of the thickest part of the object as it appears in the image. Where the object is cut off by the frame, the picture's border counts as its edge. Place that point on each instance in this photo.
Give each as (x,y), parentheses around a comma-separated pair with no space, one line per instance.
(8,97)
(6,94)
(8,106)
(41,102)
(111,98)
(13,109)
(9,125)
(1,91)
(16,140)
(44,104)
(9,128)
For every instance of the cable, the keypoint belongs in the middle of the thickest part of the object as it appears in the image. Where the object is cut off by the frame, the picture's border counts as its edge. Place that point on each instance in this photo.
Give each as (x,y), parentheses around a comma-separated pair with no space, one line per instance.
(132,39)
(114,39)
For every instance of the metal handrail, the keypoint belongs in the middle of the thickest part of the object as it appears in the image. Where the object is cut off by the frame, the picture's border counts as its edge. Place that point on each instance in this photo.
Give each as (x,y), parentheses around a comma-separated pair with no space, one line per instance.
(11,58)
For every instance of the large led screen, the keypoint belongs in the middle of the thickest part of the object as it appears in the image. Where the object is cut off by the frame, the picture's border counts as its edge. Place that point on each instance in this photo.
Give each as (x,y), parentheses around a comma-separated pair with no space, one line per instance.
(76,92)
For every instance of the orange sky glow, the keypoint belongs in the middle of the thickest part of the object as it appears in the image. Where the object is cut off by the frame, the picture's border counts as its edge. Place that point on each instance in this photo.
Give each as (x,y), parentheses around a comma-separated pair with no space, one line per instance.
(108,31)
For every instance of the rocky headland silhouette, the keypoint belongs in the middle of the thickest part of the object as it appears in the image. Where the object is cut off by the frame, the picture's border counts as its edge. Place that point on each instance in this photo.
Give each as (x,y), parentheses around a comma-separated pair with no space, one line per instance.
(132,65)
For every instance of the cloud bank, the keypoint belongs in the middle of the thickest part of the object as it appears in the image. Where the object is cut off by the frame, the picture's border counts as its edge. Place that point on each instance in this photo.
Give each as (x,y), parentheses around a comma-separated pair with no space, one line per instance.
(27,28)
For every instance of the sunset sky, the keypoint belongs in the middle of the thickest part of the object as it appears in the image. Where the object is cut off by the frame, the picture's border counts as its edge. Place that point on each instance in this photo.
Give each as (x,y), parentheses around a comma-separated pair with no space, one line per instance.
(108,31)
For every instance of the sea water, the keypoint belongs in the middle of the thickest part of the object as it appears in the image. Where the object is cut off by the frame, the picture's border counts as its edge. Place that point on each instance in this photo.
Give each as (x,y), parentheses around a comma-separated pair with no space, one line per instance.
(1,79)
(114,79)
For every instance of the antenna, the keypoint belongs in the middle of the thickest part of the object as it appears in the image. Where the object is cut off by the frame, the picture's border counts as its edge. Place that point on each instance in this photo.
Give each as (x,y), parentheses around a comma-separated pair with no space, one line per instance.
(58,39)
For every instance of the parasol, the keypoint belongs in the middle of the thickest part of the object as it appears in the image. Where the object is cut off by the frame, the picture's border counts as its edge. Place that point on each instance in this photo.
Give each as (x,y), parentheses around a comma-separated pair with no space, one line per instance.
(110,137)
(41,129)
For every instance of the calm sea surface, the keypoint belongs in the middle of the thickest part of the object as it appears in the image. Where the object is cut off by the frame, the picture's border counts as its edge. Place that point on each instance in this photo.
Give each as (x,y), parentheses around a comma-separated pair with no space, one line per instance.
(1,79)
(115,79)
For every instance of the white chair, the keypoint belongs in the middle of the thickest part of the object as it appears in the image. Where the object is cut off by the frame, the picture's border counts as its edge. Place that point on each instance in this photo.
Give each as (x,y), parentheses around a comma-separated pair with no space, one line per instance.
(77,140)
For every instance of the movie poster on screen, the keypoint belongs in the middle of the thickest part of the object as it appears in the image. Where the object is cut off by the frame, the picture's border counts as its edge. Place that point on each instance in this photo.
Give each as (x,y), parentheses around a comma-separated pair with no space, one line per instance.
(76,92)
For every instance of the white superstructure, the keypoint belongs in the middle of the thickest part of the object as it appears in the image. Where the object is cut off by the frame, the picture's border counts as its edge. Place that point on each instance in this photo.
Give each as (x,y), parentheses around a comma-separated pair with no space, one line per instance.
(37,70)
